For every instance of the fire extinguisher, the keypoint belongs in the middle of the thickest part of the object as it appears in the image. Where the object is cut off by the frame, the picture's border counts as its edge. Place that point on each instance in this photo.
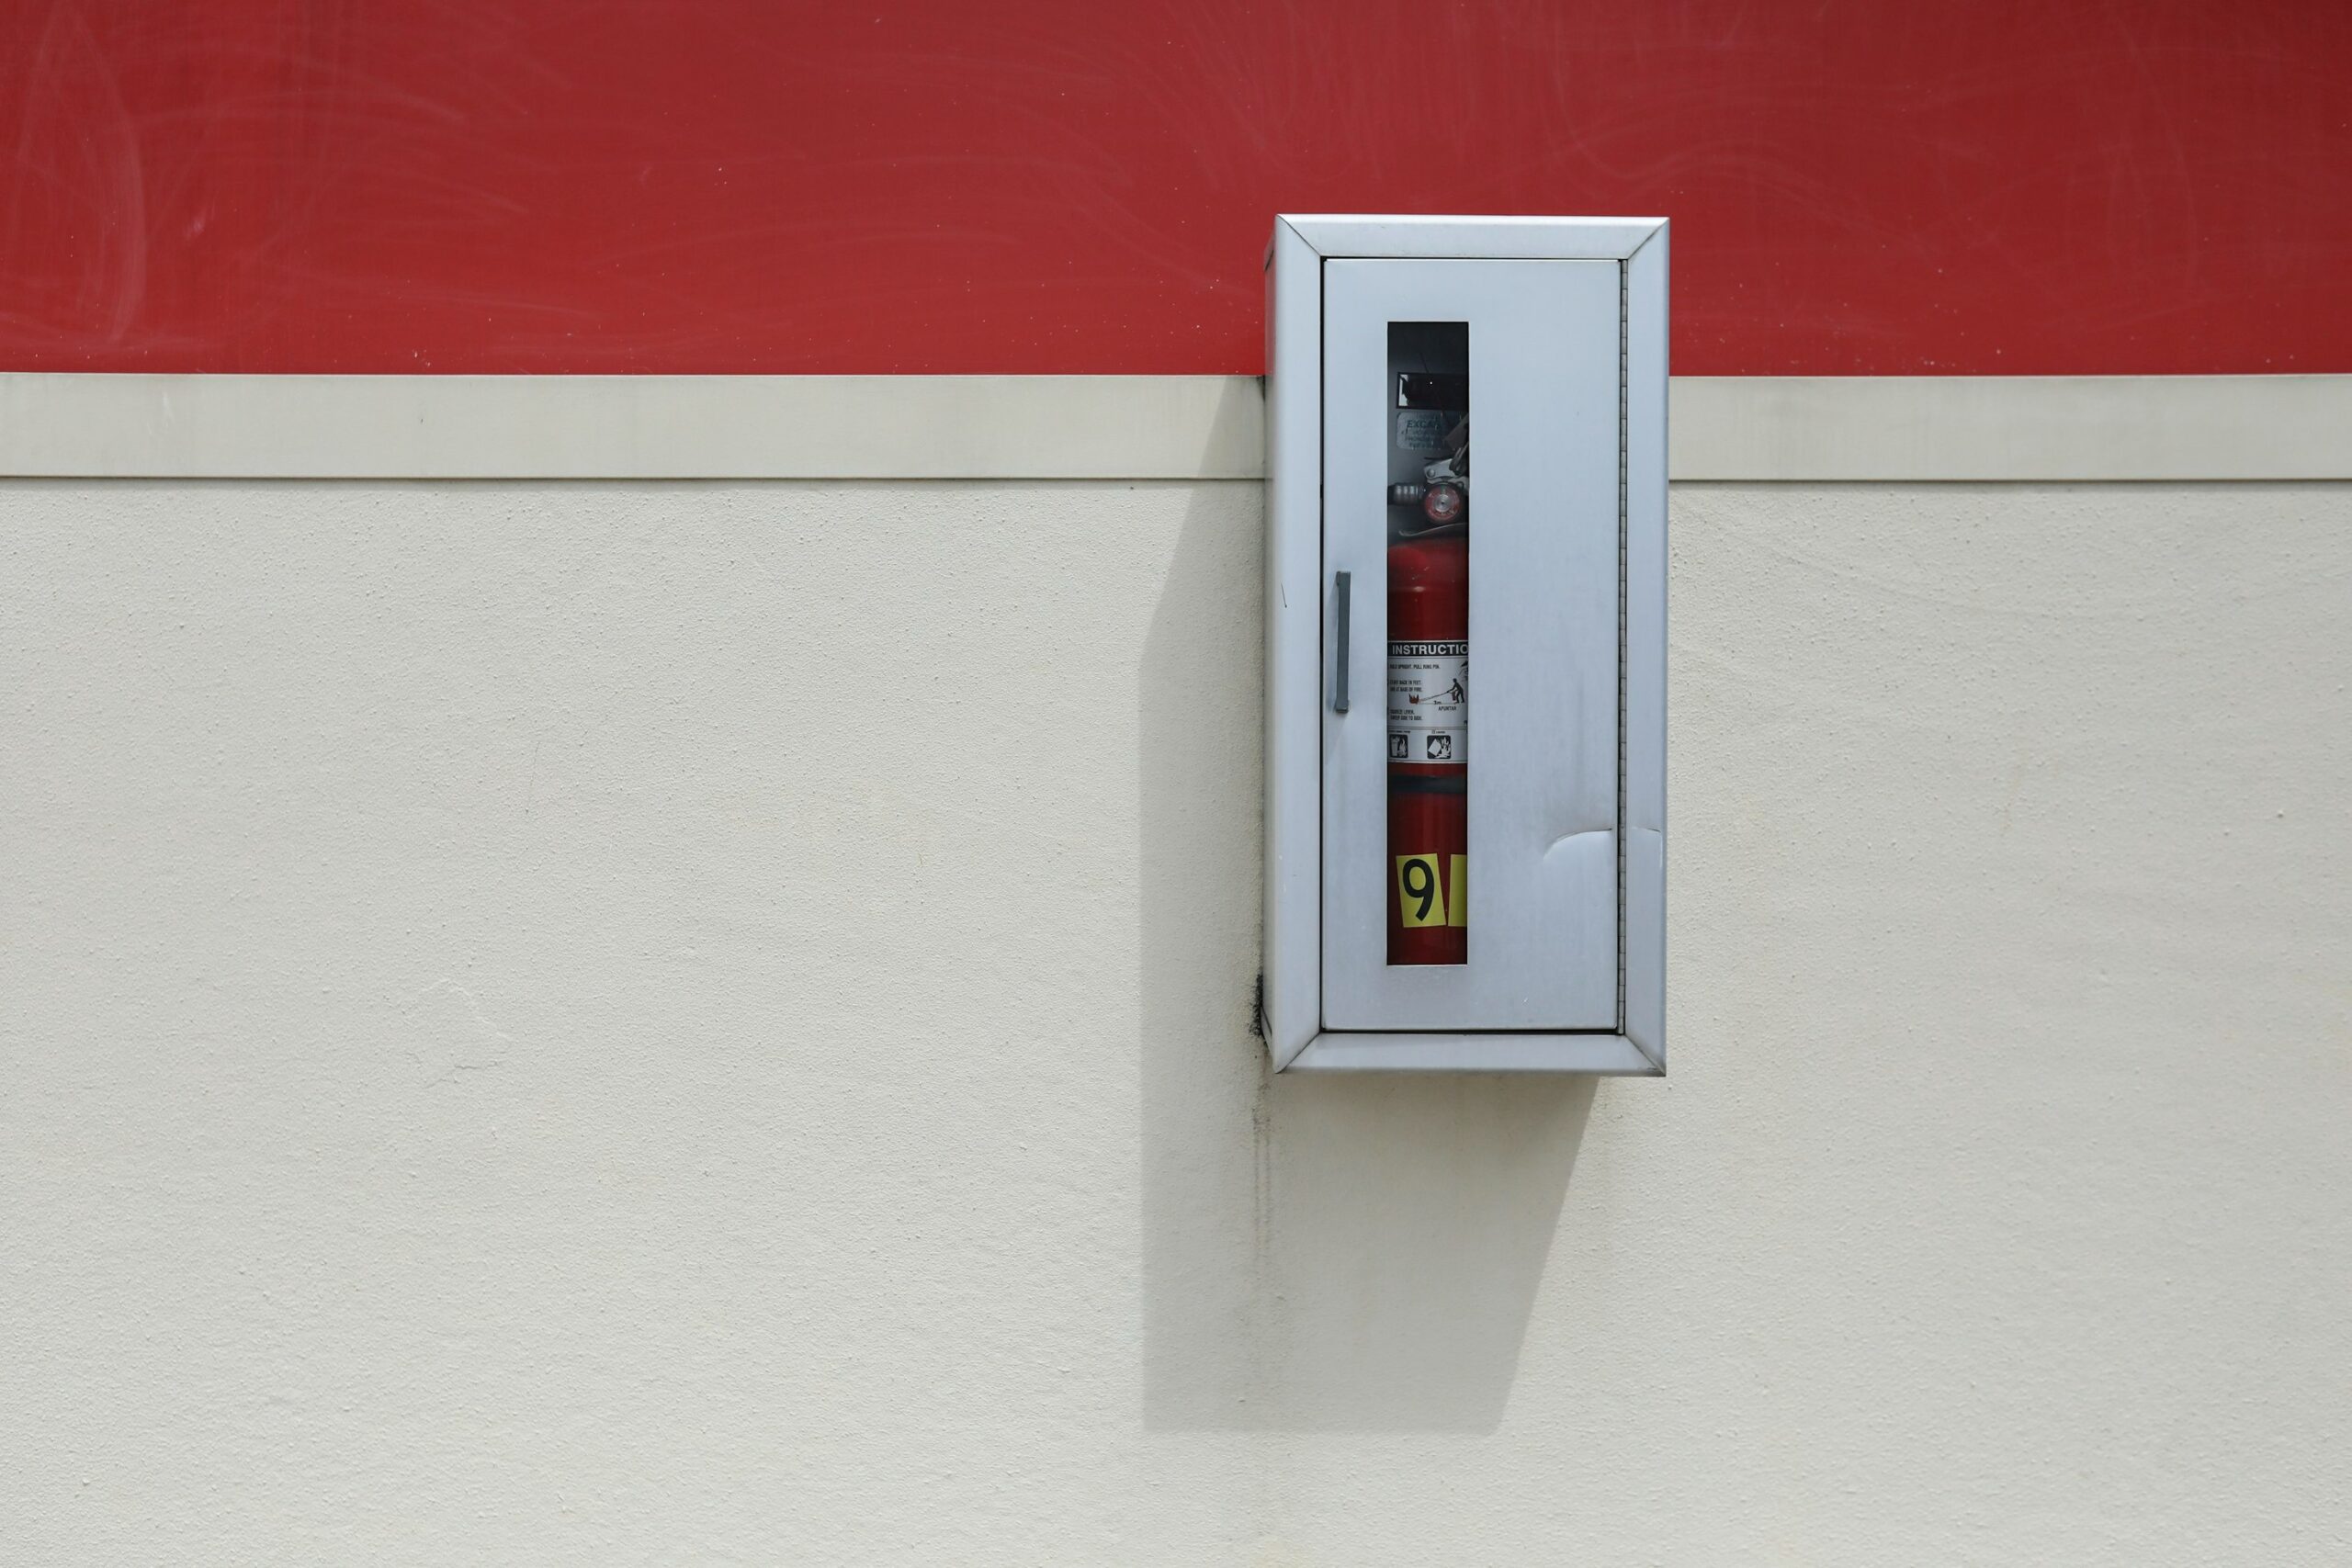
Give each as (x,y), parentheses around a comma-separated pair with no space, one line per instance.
(1429,646)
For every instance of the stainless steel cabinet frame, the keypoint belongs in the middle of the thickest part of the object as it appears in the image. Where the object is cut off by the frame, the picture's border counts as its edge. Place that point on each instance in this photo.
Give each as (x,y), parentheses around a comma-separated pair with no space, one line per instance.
(1564,320)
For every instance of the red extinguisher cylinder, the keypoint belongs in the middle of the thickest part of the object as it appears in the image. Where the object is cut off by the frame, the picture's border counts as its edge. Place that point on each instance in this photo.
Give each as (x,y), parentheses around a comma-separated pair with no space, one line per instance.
(1429,633)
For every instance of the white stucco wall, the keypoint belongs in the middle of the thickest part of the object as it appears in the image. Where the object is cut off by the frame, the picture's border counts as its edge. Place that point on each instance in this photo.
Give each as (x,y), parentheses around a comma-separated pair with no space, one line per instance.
(707,1022)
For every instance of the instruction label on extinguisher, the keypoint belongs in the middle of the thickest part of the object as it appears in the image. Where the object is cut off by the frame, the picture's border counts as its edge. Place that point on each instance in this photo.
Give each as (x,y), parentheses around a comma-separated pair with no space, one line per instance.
(1429,702)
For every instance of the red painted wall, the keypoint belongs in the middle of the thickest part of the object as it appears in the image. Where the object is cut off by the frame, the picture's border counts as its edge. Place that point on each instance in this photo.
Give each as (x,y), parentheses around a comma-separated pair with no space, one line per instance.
(1856,185)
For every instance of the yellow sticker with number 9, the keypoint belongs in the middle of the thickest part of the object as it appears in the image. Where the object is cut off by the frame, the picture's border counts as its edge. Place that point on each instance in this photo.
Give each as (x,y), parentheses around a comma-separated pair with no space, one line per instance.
(1420,898)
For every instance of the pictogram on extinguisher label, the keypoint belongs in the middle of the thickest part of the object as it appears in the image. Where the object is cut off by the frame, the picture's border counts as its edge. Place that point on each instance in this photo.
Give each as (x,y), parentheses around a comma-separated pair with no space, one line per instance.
(1428,698)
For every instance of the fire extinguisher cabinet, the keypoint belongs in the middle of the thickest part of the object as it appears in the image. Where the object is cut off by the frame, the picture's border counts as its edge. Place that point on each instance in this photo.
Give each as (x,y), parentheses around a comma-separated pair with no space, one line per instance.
(1465,644)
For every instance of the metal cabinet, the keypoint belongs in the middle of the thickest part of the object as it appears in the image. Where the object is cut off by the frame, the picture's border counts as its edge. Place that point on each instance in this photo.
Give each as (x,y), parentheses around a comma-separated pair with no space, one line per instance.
(1465,644)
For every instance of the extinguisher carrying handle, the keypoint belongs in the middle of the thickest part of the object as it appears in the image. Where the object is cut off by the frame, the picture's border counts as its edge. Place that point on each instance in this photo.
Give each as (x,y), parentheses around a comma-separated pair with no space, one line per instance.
(1339,657)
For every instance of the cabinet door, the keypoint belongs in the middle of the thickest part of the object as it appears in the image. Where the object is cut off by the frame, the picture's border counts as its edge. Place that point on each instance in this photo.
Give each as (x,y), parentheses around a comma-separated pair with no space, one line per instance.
(1536,895)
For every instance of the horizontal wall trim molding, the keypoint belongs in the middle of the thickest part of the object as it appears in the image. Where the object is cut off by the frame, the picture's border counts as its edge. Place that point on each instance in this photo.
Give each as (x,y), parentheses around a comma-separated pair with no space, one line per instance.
(1807,429)
(632,427)
(2034,428)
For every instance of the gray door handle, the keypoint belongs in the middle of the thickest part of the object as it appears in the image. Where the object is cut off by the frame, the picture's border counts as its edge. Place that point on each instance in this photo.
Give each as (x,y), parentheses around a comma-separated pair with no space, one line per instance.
(1340,672)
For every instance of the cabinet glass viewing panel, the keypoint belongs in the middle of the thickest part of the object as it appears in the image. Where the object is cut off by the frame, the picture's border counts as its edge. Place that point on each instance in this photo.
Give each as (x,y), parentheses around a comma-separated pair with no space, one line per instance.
(1428,496)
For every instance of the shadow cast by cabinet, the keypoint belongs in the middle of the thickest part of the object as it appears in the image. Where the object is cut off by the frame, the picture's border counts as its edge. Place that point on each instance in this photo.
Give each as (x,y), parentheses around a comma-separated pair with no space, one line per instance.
(1325,1253)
